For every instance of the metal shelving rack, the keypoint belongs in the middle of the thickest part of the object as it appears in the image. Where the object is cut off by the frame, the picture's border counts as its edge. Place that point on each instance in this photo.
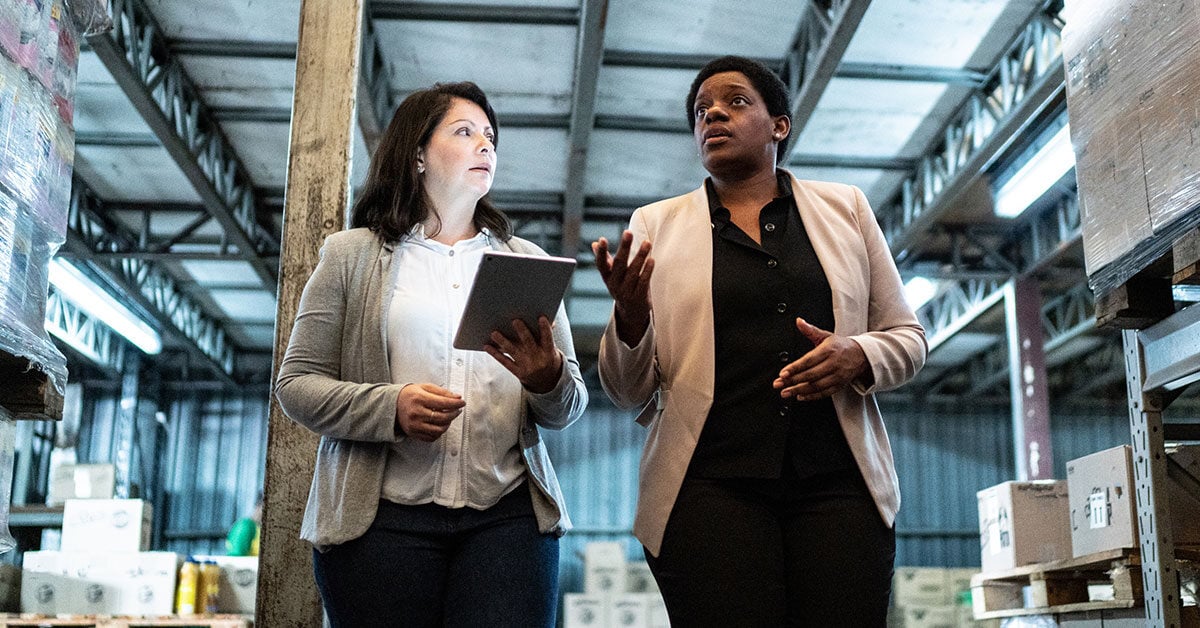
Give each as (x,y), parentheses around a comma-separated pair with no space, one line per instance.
(1160,361)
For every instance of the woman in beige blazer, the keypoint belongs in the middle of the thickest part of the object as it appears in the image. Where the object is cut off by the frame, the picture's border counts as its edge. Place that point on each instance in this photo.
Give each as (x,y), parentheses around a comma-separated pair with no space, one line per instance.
(754,335)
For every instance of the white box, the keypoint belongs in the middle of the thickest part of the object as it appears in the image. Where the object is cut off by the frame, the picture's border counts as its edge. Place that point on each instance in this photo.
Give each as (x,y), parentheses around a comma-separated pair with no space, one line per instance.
(920,586)
(604,567)
(639,578)
(583,610)
(81,481)
(930,616)
(1022,523)
(121,583)
(629,610)
(239,583)
(112,525)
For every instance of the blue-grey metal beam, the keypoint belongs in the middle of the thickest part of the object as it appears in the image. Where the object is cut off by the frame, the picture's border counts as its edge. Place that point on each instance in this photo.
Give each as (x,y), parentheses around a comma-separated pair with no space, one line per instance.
(278,115)
(138,57)
(233,48)
(920,74)
(147,287)
(825,33)
(461,12)
(1028,76)
(588,53)
(83,333)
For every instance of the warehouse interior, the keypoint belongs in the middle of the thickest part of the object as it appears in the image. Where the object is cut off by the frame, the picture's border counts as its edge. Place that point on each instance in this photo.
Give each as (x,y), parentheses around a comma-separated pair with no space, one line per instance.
(939,111)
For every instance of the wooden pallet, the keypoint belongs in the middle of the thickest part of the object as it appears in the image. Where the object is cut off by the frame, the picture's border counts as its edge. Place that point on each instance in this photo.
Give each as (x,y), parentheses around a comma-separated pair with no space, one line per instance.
(1059,586)
(28,392)
(107,621)
(1146,298)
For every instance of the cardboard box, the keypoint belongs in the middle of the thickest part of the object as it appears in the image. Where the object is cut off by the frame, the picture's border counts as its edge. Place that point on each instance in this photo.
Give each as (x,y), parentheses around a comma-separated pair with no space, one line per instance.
(930,616)
(604,567)
(1021,523)
(10,588)
(639,578)
(81,481)
(239,583)
(1104,503)
(113,525)
(113,583)
(920,586)
(584,610)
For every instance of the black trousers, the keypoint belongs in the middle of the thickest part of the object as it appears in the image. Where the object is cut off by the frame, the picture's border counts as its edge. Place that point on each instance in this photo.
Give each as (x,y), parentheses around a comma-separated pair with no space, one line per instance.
(786,552)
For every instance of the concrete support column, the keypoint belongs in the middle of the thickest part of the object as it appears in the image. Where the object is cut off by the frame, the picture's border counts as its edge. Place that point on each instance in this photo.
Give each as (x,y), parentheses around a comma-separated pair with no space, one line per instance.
(1027,376)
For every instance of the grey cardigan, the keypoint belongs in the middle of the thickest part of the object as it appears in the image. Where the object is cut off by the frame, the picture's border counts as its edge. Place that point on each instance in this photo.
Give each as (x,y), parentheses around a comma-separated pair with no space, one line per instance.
(335,381)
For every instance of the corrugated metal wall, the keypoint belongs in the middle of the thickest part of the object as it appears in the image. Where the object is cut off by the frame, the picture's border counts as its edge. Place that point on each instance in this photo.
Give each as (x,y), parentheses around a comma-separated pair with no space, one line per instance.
(215,464)
(213,446)
(596,460)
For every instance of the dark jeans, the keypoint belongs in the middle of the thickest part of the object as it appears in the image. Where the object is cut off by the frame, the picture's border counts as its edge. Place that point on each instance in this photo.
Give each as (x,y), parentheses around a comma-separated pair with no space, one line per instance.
(433,566)
(787,552)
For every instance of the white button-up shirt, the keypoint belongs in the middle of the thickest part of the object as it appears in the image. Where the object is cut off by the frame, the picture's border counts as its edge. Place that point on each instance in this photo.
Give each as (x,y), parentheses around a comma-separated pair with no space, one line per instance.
(477,460)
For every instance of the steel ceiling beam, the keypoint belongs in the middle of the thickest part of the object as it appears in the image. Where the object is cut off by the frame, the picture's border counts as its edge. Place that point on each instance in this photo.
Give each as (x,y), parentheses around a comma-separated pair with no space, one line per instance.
(825,33)
(277,115)
(117,140)
(86,335)
(669,60)
(146,286)
(921,74)
(139,59)
(1027,77)
(233,48)
(454,12)
(373,103)
(588,53)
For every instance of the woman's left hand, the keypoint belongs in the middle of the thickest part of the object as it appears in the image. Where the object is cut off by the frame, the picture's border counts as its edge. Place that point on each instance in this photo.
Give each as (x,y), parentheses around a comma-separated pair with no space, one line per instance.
(536,362)
(834,362)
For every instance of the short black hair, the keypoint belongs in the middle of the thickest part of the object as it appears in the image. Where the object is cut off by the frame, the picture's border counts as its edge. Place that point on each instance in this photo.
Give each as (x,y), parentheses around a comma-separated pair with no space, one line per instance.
(768,84)
(392,200)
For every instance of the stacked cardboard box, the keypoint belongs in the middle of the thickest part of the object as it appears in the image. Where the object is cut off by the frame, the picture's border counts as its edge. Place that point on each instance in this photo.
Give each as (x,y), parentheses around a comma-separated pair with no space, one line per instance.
(239,583)
(103,567)
(1104,503)
(932,597)
(1022,523)
(1133,95)
(617,593)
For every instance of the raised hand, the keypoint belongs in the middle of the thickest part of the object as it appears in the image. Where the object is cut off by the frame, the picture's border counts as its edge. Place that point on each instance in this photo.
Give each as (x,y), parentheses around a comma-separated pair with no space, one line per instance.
(425,411)
(536,362)
(628,281)
(834,362)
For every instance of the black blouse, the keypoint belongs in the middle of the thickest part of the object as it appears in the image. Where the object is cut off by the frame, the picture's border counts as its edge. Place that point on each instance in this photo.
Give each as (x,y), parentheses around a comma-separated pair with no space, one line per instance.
(758,291)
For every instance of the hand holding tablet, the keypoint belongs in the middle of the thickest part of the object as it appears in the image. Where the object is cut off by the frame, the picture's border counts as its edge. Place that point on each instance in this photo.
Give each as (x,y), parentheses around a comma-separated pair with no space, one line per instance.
(510,286)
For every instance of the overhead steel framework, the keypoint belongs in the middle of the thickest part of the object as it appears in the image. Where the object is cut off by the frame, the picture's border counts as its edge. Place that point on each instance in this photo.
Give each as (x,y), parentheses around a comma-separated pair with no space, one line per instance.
(147,286)
(1028,75)
(139,59)
(83,333)
(825,33)
(588,53)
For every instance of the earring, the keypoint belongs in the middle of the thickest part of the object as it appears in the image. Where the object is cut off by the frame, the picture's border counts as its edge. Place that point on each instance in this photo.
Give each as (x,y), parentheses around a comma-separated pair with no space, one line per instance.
(778,137)
(420,169)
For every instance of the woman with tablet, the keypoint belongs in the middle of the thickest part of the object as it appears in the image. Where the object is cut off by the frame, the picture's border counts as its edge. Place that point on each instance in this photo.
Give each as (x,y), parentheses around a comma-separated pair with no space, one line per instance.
(433,502)
(755,337)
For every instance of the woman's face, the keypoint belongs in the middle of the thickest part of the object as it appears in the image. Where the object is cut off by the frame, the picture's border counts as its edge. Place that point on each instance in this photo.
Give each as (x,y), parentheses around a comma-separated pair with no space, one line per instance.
(460,158)
(734,131)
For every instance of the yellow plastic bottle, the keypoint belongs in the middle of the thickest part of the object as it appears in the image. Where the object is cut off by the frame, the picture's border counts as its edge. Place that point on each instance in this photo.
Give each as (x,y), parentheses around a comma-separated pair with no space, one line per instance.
(210,587)
(185,593)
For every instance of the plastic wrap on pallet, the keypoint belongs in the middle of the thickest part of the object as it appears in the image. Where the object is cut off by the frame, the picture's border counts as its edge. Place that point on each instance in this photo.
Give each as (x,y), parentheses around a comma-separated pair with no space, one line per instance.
(1133,95)
(91,16)
(39,56)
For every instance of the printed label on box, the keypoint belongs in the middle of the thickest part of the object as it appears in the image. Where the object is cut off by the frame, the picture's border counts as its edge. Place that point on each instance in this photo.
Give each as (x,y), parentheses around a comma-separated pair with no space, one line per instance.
(991,505)
(1098,509)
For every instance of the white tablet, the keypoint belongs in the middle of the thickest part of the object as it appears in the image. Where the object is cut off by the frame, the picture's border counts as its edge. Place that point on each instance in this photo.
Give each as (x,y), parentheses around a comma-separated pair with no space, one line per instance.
(509,286)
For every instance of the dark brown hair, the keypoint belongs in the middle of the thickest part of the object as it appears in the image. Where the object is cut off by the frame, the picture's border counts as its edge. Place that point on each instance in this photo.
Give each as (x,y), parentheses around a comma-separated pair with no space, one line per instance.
(768,84)
(393,199)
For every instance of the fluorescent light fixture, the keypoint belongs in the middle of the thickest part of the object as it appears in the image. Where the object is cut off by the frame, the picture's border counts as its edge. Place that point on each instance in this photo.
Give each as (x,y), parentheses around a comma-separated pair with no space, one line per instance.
(1035,176)
(918,291)
(99,303)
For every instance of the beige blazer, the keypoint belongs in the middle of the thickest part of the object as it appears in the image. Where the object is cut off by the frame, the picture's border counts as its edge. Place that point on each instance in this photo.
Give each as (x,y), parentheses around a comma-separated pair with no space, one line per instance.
(671,370)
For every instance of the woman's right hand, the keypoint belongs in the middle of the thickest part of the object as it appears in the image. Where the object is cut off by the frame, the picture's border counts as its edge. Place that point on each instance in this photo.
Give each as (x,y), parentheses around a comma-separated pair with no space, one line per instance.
(628,281)
(424,411)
